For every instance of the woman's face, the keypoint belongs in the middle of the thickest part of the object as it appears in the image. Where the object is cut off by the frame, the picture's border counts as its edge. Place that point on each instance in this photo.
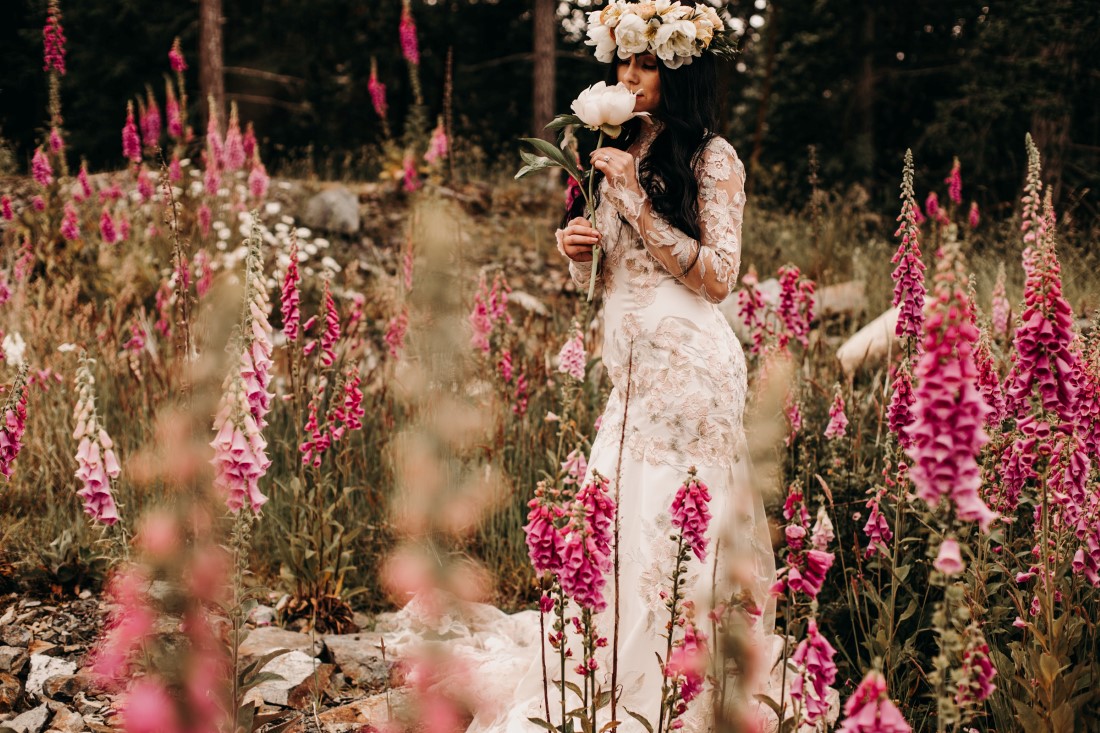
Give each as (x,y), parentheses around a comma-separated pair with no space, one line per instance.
(639,74)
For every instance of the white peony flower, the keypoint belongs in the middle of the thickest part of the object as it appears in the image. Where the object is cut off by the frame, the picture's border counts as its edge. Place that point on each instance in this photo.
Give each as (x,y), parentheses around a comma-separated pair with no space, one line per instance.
(631,35)
(609,16)
(715,20)
(645,10)
(675,43)
(670,10)
(14,347)
(707,23)
(600,105)
(600,37)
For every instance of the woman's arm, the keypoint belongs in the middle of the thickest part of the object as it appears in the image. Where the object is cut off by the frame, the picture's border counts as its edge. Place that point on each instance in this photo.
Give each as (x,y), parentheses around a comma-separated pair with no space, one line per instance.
(709,265)
(580,272)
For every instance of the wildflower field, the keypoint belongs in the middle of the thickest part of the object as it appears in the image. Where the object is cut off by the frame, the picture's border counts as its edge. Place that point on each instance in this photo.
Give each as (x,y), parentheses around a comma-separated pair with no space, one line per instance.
(220,425)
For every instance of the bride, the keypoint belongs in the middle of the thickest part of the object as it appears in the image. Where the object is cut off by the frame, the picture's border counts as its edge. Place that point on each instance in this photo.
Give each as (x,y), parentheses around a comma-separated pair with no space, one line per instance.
(671,197)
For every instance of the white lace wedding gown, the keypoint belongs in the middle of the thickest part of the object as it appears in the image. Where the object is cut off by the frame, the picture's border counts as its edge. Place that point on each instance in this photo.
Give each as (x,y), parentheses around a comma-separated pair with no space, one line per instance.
(687,390)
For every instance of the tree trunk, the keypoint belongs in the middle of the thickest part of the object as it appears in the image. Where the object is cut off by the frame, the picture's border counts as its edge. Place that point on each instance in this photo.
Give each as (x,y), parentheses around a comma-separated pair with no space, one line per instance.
(765,92)
(865,100)
(1051,119)
(211,58)
(545,56)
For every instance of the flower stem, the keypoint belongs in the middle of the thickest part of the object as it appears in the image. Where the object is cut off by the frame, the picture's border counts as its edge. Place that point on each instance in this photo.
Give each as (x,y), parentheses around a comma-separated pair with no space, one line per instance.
(618,477)
(596,250)
(666,700)
(560,628)
(542,654)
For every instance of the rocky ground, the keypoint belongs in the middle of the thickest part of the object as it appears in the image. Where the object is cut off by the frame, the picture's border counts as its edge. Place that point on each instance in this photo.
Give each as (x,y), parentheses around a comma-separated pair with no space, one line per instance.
(331,682)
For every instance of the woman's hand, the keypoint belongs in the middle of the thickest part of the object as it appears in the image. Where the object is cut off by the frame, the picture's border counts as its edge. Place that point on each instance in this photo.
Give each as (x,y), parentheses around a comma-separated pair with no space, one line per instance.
(577,239)
(617,166)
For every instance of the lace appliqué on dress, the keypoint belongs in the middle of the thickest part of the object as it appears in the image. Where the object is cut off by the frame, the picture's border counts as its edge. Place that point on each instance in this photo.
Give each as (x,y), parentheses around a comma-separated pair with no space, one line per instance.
(709,265)
(687,394)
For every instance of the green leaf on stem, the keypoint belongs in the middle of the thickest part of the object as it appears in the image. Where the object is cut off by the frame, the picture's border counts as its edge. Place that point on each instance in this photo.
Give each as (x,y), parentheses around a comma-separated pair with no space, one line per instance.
(612,131)
(534,163)
(554,153)
(571,686)
(770,703)
(563,121)
(641,719)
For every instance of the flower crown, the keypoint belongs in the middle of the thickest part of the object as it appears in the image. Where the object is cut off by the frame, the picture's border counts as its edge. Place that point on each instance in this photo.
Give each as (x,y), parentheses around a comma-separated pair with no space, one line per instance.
(670,31)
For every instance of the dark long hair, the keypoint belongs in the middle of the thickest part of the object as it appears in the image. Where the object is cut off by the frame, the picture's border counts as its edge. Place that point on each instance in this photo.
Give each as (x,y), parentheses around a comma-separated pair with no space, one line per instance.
(689,110)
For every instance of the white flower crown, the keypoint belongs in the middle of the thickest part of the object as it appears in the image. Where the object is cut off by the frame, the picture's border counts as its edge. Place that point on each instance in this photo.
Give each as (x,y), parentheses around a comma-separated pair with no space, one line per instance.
(670,31)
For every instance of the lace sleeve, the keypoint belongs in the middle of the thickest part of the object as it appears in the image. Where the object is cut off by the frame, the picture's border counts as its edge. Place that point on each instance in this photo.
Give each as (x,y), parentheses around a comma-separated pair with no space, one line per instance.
(581,272)
(707,266)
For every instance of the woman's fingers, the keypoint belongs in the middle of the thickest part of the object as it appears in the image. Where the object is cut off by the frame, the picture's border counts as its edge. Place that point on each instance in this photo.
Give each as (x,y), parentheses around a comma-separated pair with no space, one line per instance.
(580,229)
(581,253)
(579,238)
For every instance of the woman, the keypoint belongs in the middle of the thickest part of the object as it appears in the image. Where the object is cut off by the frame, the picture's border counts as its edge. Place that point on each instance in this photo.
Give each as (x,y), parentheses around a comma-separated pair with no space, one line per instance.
(671,198)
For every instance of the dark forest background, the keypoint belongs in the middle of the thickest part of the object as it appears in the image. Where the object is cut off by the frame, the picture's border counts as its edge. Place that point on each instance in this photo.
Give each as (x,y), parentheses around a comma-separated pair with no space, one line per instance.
(860,80)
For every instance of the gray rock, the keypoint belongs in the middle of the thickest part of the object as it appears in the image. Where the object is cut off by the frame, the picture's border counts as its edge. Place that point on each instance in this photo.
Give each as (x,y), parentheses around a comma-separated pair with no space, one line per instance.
(313,687)
(42,668)
(359,658)
(13,659)
(32,721)
(15,636)
(86,706)
(294,668)
(67,721)
(40,646)
(269,638)
(528,302)
(373,711)
(870,345)
(66,687)
(333,210)
(262,615)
